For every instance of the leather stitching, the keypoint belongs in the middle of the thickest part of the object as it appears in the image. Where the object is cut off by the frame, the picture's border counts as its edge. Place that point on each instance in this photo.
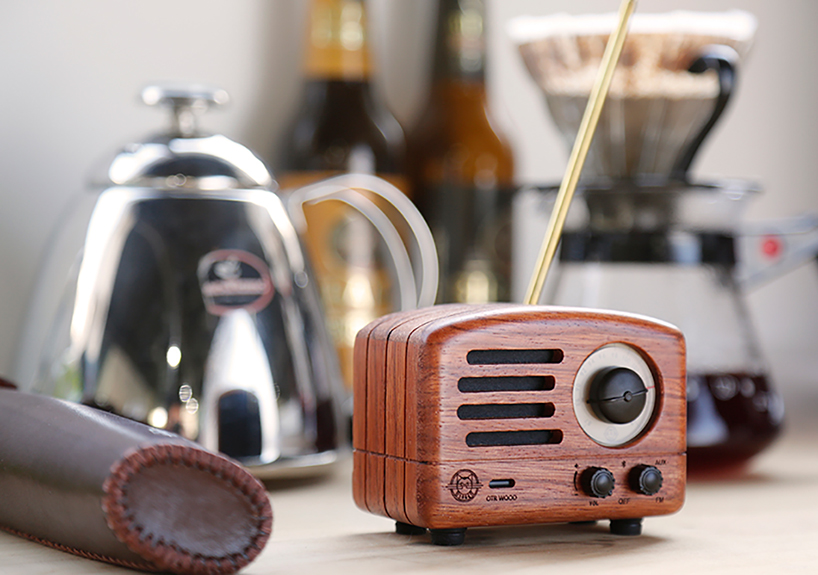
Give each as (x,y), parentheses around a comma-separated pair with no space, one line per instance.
(169,556)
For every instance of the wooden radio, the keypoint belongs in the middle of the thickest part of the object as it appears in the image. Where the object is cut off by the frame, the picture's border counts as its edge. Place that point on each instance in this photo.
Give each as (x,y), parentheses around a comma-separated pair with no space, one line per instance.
(506,414)
(509,414)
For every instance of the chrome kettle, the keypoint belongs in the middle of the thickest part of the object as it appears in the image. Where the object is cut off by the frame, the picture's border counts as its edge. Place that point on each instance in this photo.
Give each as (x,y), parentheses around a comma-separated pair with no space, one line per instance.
(190,304)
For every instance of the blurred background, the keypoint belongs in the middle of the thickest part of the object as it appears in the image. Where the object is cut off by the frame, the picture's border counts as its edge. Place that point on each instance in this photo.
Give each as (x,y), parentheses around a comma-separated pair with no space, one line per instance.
(71,73)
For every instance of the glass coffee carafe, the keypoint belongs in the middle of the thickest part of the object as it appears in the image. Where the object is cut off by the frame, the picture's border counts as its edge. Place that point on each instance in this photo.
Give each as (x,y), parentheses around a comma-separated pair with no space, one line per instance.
(672,252)
(679,251)
(642,236)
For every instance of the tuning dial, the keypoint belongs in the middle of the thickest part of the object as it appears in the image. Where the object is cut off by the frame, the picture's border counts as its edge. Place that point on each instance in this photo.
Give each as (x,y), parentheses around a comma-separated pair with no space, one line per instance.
(597,482)
(645,479)
(615,395)
(618,395)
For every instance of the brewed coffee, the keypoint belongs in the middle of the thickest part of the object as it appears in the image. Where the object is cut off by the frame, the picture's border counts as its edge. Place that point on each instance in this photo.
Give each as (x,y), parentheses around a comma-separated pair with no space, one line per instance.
(730,418)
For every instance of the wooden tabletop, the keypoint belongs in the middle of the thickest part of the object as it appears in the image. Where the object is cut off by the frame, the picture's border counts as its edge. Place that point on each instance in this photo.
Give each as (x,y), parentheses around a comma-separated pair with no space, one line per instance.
(765,521)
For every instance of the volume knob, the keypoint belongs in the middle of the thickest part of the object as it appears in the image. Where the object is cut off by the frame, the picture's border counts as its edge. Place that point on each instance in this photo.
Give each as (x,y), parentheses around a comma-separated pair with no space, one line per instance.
(597,482)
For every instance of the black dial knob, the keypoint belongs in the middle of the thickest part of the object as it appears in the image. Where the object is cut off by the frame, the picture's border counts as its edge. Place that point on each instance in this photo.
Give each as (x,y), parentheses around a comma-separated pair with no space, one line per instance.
(617,395)
(645,479)
(597,482)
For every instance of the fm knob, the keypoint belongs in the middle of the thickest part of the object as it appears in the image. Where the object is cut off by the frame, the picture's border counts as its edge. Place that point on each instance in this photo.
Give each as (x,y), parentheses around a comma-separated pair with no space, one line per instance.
(597,482)
(645,479)
(617,395)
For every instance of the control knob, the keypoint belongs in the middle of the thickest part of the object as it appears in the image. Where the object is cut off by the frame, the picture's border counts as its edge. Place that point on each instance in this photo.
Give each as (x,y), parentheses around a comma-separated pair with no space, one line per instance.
(618,395)
(597,482)
(645,479)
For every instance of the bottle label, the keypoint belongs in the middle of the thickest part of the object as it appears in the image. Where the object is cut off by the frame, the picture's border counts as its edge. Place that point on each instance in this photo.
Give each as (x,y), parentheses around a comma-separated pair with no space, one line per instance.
(461,50)
(337,45)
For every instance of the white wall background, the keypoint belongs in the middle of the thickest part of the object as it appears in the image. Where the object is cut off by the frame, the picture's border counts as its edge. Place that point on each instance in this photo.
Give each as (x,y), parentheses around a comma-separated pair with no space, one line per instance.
(70,73)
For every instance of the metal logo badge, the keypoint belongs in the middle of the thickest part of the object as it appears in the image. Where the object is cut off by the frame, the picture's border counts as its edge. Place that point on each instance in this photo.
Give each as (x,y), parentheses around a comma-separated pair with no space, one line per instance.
(234,279)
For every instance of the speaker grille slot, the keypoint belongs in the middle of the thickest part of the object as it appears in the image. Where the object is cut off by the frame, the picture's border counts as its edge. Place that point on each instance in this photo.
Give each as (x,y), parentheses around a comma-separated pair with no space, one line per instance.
(513,356)
(511,438)
(505,411)
(506,383)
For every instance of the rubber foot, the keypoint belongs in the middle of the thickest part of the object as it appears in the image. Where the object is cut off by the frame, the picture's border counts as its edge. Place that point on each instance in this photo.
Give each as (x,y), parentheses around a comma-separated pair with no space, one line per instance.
(629,527)
(407,529)
(448,537)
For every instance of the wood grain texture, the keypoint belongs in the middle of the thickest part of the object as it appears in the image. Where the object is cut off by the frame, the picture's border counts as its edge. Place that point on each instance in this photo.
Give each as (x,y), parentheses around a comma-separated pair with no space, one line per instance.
(416,366)
(381,390)
(359,416)
(544,492)
(412,463)
(360,392)
(369,414)
(394,479)
(376,414)
(439,352)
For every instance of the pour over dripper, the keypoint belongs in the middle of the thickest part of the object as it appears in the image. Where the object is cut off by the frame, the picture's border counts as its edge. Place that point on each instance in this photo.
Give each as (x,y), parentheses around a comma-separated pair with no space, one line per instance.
(674,79)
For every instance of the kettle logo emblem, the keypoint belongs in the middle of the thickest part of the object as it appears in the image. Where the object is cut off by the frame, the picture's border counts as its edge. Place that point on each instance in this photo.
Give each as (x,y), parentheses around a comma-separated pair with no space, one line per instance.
(234,279)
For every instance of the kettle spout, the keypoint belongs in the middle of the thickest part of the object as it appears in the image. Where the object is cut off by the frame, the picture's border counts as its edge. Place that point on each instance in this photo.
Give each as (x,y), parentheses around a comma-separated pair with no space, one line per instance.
(239,409)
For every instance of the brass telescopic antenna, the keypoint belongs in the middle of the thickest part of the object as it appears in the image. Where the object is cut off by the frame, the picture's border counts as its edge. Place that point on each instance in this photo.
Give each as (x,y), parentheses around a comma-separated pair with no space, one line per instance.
(580,151)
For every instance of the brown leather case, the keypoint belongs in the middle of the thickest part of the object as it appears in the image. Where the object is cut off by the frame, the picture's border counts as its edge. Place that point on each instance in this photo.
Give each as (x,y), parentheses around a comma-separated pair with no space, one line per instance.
(107,488)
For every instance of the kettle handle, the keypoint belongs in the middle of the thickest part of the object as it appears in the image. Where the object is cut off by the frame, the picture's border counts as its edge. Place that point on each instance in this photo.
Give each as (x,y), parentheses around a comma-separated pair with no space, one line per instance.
(346,188)
(723,60)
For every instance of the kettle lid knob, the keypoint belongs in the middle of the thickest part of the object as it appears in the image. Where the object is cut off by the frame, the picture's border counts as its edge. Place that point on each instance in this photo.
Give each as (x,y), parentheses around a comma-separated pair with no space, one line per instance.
(184,157)
(186,102)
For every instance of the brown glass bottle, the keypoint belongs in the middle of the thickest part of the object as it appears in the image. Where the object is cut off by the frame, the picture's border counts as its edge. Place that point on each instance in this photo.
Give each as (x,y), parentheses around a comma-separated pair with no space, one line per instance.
(342,127)
(461,167)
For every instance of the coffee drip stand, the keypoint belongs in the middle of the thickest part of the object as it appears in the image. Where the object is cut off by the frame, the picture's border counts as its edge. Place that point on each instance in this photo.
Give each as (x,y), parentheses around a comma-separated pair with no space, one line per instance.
(644,237)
